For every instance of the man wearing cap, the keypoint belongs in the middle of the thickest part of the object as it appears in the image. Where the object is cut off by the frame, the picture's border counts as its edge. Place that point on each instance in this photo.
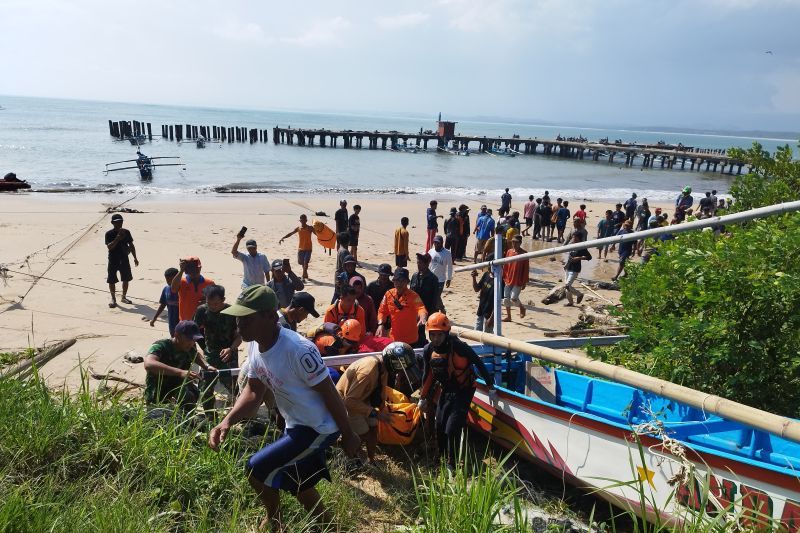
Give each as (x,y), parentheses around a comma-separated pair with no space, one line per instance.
(256,264)
(306,397)
(168,363)
(484,230)
(442,266)
(378,288)
(119,243)
(452,231)
(347,273)
(683,202)
(189,287)
(301,305)
(284,282)
(405,310)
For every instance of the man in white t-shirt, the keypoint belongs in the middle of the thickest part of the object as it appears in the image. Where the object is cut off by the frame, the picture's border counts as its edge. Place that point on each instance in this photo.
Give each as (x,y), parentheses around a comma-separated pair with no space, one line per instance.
(442,266)
(256,265)
(305,395)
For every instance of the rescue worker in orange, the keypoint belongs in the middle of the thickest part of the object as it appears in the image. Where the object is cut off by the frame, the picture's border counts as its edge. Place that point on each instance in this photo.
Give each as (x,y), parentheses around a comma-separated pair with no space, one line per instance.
(404,308)
(346,308)
(332,339)
(362,389)
(449,365)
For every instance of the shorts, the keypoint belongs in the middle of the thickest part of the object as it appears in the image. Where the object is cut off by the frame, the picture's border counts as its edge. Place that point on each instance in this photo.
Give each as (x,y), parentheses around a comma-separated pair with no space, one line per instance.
(401,261)
(123,266)
(303,257)
(480,244)
(354,239)
(624,257)
(511,295)
(295,462)
(529,221)
(361,424)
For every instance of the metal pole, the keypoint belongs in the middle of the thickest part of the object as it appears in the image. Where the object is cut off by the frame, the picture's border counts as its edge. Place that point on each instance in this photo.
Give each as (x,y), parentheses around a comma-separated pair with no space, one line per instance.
(497,316)
(744,216)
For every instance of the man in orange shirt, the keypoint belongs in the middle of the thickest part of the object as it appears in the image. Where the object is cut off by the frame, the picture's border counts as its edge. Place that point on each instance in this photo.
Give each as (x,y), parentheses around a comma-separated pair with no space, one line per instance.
(346,308)
(401,244)
(405,309)
(515,276)
(304,232)
(189,287)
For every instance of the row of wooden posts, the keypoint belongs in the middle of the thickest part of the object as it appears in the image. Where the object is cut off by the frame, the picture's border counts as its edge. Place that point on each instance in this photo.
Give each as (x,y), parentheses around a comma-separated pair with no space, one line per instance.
(133,129)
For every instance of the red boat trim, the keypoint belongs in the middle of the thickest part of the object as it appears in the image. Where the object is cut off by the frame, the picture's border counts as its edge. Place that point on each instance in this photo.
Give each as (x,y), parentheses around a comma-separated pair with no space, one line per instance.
(580,419)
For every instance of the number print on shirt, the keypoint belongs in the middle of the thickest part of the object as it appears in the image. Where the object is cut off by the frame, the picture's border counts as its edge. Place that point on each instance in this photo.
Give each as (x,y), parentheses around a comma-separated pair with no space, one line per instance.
(311,362)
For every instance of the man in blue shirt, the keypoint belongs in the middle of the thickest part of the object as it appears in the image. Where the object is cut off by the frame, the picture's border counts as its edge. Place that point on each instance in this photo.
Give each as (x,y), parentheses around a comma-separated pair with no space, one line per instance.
(256,264)
(484,230)
(625,248)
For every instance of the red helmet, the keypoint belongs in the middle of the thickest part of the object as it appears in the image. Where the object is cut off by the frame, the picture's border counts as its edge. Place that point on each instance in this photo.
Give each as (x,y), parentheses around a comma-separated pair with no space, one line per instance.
(351,330)
(438,322)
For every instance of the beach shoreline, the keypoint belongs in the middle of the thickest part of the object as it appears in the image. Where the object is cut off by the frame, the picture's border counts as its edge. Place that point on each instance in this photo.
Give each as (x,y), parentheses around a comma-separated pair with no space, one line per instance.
(73,300)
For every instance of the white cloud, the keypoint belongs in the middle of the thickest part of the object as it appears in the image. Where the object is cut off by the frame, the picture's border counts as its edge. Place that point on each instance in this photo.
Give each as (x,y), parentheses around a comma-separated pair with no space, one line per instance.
(242,32)
(398,22)
(321,32)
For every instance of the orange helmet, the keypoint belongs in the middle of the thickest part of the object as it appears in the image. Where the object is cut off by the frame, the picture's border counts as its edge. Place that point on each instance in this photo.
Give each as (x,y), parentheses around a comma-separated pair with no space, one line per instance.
(351,330)
(438,322)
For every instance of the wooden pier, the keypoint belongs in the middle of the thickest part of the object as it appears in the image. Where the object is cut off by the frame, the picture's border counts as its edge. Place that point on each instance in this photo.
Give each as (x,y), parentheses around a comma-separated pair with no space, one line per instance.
(650,155)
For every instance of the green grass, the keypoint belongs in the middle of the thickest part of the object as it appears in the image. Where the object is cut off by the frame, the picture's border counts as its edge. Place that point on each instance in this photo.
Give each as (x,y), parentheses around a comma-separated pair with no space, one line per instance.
(10,358)
(81,463)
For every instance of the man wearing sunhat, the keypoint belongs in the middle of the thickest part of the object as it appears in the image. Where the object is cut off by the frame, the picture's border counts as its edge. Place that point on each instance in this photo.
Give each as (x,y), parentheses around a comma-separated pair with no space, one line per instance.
(119,243)
(168,363)
(256,265)
(306,397)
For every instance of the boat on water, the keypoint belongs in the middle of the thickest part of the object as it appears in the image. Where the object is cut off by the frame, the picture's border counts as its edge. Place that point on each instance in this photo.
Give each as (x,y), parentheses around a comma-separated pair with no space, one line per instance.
(453,151)
(144,164)
(10,182)
(624,443)
(507,152)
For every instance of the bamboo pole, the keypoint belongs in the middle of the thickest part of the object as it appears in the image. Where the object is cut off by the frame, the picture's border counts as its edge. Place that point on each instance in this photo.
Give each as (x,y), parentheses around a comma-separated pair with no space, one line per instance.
(744,216)
(38,360)
(771,423)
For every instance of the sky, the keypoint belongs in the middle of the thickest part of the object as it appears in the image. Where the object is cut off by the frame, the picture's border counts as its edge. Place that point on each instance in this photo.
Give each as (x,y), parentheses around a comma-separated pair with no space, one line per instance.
(679,63)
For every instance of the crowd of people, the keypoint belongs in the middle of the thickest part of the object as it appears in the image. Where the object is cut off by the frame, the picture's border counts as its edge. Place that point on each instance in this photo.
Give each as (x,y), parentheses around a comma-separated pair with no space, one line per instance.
(389,315)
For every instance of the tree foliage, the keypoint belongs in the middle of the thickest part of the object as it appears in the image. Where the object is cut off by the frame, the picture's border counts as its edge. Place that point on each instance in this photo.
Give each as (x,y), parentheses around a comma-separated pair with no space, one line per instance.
(721,314)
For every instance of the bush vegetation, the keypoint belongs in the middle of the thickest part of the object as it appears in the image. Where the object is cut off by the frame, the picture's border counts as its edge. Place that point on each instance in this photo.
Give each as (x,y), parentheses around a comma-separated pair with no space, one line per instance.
(721,314)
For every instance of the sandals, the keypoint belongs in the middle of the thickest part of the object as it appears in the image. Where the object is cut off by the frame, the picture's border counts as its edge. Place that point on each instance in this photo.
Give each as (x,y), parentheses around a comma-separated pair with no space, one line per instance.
(125,300)
(112,304)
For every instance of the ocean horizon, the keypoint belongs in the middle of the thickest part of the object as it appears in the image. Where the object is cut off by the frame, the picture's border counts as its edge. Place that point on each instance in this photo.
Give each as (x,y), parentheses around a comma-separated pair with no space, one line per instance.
(63,145)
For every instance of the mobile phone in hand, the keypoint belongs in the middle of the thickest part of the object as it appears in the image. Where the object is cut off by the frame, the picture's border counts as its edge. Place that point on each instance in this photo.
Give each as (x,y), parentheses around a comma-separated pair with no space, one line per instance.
(242,232)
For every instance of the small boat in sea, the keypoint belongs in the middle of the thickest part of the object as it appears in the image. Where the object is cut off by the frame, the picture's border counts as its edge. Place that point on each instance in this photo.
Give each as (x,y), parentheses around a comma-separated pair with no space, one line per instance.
(507,152)
(453,152)
(636,449)
(201,142)
(10,182)
(143,164)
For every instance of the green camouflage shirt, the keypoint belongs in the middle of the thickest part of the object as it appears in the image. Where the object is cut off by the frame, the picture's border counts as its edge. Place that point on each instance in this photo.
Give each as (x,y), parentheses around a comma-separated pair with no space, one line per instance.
(159,388)
(218,330)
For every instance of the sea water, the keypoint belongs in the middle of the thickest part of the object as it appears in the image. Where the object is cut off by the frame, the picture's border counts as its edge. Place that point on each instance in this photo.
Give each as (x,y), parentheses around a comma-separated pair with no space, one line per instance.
(64,145)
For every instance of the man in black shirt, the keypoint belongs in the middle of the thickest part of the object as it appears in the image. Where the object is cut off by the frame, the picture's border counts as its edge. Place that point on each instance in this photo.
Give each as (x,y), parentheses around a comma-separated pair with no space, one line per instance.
(484,316)
(378,288)
(341,217)
(119,243)
(426,285)
(573,267)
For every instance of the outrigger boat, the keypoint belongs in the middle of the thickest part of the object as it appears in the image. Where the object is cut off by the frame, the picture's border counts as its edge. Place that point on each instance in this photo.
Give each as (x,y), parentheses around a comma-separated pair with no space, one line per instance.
(616,440)
(507,152)
(143,164)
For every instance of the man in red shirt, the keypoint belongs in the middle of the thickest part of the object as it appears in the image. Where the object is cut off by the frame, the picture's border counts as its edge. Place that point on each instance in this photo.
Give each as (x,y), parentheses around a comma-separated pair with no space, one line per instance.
(189,287)
(515,276)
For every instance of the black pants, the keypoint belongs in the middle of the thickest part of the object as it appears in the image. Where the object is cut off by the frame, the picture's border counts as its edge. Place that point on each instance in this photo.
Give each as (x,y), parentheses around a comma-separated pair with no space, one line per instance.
(451,417)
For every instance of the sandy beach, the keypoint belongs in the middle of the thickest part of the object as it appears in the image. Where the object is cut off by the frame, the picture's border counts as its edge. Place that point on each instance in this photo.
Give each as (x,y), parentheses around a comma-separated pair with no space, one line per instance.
(60,237)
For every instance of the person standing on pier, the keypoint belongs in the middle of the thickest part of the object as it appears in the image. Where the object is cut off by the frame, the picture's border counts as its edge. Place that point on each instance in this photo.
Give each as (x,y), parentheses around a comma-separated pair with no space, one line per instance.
(505,204)
(342,219)
(433,224)
(119,244)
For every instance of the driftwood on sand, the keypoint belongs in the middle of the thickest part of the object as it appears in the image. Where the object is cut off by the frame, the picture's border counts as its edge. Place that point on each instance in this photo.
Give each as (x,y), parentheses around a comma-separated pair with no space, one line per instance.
(112,377)
(609,330)
(24,366)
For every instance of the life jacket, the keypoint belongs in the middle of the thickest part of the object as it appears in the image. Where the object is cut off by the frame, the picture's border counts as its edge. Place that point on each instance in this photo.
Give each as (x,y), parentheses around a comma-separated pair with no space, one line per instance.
(452,368)
(341,317)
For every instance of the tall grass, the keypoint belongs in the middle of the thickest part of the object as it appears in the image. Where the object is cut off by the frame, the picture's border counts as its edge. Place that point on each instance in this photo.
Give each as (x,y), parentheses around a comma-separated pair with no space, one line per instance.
(80,463)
